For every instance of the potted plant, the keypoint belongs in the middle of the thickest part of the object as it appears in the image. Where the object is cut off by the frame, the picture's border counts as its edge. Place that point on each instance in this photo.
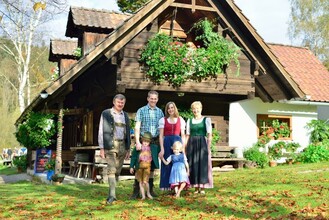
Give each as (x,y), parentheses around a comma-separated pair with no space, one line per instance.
(275,152)
(20,162)
(57,178)
(50,167)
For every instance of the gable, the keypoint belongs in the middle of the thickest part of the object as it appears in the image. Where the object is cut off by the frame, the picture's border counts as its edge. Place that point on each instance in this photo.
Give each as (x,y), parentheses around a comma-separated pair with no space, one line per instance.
(267,77)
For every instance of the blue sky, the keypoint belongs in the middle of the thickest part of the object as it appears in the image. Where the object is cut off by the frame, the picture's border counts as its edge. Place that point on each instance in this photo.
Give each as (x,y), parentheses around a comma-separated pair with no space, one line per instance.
(268,17)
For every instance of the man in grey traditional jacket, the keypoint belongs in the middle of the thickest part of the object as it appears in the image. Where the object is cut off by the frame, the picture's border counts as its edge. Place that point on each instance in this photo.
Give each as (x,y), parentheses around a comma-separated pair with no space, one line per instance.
(114,141)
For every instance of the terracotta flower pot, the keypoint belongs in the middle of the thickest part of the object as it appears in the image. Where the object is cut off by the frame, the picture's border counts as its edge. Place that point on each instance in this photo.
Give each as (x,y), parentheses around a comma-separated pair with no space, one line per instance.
(57,183)
(273,163)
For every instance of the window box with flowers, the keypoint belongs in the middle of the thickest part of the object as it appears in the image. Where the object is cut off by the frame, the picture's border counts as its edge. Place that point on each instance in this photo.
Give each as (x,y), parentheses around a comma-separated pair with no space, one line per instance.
(275,129)
(168,59)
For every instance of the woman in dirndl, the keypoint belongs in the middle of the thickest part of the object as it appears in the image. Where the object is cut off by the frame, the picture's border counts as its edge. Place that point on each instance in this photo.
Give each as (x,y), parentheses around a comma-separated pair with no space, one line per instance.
(198,151)
(172,129)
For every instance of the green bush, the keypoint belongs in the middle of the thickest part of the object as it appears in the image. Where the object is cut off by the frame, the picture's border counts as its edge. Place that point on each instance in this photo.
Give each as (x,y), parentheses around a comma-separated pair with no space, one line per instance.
(291,147)
(314,153)
(215,139)
(253,154)
(36,131)
(319,130)
(20,162)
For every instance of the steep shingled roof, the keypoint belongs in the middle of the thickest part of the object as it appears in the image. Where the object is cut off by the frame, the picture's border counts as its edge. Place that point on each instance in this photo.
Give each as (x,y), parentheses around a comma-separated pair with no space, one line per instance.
(306,70)
(94,19)
(62,48)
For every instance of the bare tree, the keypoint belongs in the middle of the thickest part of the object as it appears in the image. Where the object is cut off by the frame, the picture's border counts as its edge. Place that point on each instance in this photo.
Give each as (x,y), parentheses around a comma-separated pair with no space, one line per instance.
(19,23)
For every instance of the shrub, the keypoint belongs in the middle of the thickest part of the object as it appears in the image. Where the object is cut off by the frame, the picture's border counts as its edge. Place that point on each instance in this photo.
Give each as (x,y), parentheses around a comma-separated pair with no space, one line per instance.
(291,147)
(319,130)
(253,154)
(20,162)
(215,139)
(314,153)
(36,131)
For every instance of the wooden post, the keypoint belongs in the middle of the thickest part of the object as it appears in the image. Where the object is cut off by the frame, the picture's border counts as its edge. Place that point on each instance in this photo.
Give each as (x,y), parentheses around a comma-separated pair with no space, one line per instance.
(58,166)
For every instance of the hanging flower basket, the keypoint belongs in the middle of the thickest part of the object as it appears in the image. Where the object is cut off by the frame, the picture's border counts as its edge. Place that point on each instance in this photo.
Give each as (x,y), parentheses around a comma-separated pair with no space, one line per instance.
(167,59)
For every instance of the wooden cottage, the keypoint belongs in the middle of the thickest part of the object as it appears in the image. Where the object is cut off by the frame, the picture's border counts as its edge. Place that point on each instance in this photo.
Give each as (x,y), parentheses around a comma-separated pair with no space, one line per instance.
(110,44)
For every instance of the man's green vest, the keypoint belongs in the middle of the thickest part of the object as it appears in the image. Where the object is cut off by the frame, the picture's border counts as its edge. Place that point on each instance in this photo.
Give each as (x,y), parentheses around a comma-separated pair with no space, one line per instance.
(108,130)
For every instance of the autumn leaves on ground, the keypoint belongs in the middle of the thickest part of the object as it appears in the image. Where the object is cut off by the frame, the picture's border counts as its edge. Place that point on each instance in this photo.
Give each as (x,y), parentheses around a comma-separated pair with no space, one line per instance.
(296,191)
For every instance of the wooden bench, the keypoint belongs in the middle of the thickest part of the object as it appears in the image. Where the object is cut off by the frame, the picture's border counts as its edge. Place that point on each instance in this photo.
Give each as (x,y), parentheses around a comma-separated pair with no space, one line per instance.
(224,155)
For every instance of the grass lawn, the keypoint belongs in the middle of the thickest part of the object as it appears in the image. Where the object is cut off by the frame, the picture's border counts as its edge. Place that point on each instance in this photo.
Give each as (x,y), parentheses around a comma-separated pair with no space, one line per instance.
(5,170)
(299,191)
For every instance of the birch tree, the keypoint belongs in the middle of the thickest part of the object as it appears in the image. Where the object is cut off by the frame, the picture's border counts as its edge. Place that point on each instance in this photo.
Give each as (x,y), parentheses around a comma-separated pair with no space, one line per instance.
(19,23)
(309,21)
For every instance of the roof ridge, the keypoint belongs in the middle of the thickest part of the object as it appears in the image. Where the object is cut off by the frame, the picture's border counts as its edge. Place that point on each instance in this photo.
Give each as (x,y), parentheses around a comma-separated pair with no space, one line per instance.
(65,40)
(287,45)
(99,10)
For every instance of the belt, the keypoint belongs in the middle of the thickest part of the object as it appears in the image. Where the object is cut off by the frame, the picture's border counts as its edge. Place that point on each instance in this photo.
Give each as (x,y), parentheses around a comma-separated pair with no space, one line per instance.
(119,140)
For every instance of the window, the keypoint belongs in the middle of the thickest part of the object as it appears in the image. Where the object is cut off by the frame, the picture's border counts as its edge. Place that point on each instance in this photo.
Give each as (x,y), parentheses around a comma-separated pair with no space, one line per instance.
(274,126)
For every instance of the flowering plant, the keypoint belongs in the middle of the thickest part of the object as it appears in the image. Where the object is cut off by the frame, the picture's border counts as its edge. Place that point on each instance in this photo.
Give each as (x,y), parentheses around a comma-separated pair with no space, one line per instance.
(276,130)
(275,151)
(50,165)
(281,129)
(168,59)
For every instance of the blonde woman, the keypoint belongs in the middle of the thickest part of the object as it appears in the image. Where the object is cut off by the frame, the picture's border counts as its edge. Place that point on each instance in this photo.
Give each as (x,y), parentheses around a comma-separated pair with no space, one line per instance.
(198,136)
(172,129)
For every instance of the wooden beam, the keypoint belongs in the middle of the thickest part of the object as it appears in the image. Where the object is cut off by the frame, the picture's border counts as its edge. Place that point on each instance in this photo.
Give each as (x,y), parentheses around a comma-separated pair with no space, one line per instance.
(74,111)
(283,74)
(236,38)
(193,7)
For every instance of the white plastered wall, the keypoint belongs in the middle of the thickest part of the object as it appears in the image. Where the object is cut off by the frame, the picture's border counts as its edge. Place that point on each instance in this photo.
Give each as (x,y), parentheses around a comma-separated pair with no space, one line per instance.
(243,120)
